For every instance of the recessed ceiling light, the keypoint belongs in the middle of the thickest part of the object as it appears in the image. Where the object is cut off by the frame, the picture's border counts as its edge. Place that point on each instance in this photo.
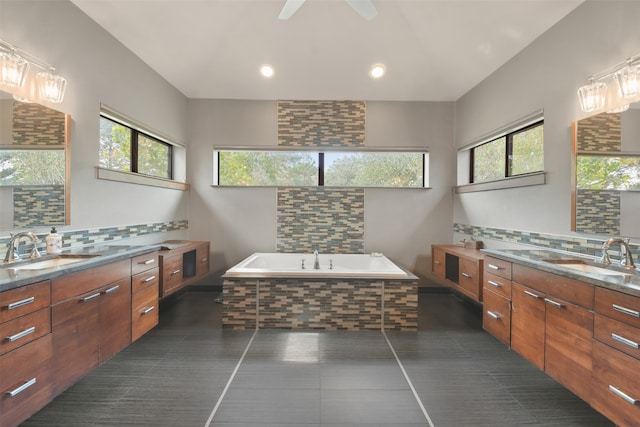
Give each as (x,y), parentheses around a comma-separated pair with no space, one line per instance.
(377,71)
(266,70)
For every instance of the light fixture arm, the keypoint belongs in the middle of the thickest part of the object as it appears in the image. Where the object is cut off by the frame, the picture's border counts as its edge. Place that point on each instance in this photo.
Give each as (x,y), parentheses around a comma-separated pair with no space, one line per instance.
(632,60)
(8,47)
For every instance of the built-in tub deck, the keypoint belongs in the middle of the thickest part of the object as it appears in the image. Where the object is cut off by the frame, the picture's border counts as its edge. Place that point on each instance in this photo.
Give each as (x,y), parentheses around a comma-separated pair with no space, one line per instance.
(347,292)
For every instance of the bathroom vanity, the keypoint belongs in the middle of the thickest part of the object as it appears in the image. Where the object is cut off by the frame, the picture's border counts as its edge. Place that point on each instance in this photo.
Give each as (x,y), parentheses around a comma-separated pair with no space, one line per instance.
(460,268)
(576,321)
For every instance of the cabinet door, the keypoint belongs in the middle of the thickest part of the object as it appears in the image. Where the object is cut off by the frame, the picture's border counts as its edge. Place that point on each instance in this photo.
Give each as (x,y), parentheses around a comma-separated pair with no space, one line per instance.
(438,262)
(115,319)
(171,274)
(76,332)
(202,260)
(568,345)
(528,324)
(469,278)
(496,317)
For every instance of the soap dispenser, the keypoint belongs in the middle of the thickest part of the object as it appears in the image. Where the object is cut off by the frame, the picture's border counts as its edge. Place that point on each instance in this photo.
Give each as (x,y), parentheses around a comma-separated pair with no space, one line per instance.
(54,242)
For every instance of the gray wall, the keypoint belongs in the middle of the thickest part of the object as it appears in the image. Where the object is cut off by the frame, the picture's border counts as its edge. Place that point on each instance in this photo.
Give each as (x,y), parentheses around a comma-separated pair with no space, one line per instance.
(400,223)
(99,70)
(546,75)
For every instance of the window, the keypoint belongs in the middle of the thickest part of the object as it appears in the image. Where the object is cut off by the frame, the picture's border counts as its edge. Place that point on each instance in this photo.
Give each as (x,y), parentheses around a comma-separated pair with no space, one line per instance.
(516,153)
(127,149)
(306,168)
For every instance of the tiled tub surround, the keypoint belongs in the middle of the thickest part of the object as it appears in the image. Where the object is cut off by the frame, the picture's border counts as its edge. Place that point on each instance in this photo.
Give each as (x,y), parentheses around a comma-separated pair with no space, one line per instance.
(575,244)
(325,304)
(90,237)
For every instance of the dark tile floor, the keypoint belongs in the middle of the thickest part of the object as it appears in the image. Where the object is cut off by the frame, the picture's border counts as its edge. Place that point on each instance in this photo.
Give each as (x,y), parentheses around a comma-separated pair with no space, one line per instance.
(189,372)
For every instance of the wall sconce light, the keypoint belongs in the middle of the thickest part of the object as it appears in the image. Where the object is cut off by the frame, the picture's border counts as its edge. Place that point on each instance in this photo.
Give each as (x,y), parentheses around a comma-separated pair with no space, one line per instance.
(14,71)
(597,95)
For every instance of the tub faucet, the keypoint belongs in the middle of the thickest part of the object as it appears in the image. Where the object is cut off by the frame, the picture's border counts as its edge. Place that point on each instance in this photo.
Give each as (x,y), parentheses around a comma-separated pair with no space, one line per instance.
(626,259)
(316,263)
(14,243)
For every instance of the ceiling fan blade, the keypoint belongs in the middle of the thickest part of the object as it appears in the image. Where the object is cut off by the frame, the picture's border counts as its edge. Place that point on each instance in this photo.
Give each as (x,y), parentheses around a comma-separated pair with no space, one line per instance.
(289,8)
(365,8)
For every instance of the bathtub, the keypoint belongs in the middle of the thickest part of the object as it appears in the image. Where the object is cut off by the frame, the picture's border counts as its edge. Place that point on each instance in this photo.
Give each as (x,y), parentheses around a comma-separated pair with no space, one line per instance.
(368,266)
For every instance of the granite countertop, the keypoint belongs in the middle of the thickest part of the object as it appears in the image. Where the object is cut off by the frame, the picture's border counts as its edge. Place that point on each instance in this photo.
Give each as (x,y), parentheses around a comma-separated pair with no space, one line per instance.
(97,256)
(621,279)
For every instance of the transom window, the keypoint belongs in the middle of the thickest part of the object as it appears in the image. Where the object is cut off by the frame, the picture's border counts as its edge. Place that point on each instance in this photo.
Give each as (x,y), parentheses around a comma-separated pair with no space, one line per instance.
(307,168)
(127,149)
(516,153)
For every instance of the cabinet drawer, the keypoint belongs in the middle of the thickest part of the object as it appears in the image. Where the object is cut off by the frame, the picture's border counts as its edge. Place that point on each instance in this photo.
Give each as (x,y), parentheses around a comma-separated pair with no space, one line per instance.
(145,279)
(617,305)
(469,277)
(498,267)
(572,291)
(438,262)
(497,284)
(26,299)
(25,329)
(144,311)
(144,262)
(171,274)
(496,317)
(85,281)
(25,384)
(616,385)
(617,334)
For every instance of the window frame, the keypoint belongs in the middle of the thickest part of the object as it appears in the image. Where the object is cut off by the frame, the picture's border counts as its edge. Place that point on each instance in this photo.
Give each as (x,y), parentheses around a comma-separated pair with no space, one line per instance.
(135,133)
(508,159)
(320,151)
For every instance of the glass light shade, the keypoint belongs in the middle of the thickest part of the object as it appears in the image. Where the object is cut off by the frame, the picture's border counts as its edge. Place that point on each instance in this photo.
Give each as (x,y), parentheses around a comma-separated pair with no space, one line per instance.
(13,69)
(592,97)
(51,87)
(619,109)
(629,81)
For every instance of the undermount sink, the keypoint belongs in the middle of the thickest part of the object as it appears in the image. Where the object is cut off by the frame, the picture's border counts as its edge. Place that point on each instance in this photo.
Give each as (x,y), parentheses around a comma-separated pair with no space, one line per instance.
(581,265)
(48,263)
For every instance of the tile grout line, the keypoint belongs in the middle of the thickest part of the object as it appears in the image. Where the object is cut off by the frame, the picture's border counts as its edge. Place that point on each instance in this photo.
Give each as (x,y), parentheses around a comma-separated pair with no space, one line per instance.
(406,377)
(231,378)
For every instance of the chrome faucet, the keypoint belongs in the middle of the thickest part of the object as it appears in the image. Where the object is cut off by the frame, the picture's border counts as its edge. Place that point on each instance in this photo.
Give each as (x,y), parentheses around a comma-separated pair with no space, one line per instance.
(316,263)
(626,259)
(14,243)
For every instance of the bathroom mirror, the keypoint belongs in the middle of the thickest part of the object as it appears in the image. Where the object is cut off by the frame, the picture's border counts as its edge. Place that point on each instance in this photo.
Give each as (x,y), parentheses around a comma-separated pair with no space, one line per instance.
(606,178)
(34,165)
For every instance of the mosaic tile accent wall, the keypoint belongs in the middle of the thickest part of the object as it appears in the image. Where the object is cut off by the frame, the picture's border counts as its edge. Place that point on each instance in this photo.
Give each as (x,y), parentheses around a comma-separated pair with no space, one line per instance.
(321,123)
(600,133)
(576,244)
(326,219)
(321,304)
(34,124)
(78,238)
(38,204)
(598,211)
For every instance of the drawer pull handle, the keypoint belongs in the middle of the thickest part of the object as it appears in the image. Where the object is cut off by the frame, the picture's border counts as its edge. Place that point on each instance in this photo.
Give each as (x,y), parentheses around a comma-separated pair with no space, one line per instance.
(147,262)
(467,275)
(496,316)
(90,297)
(532,295)
(22,388)
(173,273)
(148,279)
(148,310)
(205,259)
(22,334)
(21,303)
(494,267)
(626,311)
(113,289)
(496,284)
(552,302)
(625,341)
(624,395)
(436,262)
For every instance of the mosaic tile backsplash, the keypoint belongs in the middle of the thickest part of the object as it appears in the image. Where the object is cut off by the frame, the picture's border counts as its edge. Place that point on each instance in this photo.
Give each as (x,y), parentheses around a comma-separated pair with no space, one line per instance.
(78,238)
(575,244)
(321,123)
(35,124)
(35,205)
(598,211)
(327,219)
(600,133)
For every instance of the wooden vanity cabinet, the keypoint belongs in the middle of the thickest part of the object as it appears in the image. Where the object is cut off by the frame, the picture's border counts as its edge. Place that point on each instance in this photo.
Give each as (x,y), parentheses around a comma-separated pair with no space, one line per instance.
(25,352)
(145,281)
(460,268)
(182,262)
(568,325)
(616,357)
(91,319)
